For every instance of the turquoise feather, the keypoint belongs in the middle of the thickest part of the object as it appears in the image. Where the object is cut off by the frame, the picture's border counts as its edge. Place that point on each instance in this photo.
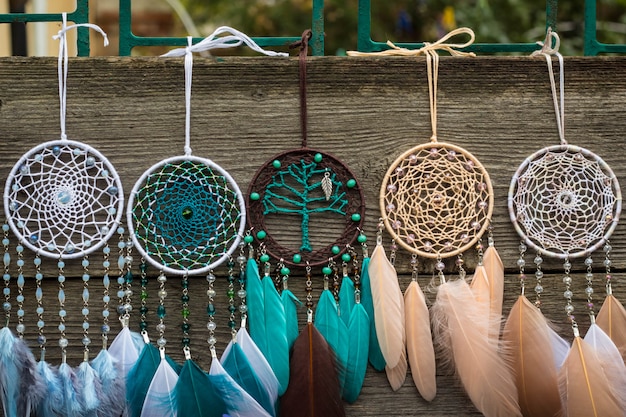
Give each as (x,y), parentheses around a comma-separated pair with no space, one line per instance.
(195,395)
(375,356)
(139,378)
(291,305)
(275,338)
(255,300)
(359,334)
(346,299)
(237,365)
(334,330)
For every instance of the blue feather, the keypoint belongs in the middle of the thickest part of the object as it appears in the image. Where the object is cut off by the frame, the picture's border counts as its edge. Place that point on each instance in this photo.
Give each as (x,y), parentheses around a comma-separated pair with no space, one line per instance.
(91,389)
(70,389)
(161,396)
(9,373)
(32,387)
(256,305)
(236,364)
(346,299)
(238,402)
(52,403)
(334,330)
(359,334)
(125,350)
(276,346)
(113,385)
(139,378)
(375,355)
(291,305)
(195,395)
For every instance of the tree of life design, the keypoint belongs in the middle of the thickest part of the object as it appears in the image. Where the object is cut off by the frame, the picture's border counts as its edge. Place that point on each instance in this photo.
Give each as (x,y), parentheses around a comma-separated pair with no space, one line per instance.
(436,200)
(186,215)
(297,189)
(564,201)
(306,195)
(63,199)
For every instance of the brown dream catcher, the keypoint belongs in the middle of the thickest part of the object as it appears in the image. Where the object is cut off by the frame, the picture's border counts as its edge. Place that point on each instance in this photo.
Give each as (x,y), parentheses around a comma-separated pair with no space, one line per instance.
(436,201)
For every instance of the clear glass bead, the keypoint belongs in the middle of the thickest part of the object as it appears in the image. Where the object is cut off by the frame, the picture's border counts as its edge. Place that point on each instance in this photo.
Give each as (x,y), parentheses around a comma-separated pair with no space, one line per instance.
(538,260)
(538,289)
(161,342)
(211,326)
(63,343)
(567,280)
(569,309)
(539,274)
(567,294)
(589,290)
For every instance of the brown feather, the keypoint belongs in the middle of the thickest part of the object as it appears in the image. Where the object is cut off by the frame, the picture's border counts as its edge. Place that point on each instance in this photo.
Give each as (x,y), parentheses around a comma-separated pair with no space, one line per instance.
(419,341)
(313,389)
(526,332)
(495,276)
(484,374)
(612,319)
(584,386)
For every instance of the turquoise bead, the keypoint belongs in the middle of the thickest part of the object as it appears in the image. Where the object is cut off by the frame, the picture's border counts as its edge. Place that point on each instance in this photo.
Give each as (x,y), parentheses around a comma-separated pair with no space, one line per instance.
(265,258)
(160,311)
(335,250)
(248,239)
(356,217)
(276,164)
(362,238)
(297,258)
(345,257)
(351,183)
(261,234)
(327,270)
(284,270)
(254,196)
(318,157)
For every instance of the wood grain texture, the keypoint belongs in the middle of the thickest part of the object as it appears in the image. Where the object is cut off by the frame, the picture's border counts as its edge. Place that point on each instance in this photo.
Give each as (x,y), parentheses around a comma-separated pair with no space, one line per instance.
(365,111)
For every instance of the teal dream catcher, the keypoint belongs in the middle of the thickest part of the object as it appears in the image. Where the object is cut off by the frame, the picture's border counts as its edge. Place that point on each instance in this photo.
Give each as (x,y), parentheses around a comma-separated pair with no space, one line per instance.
(305,196)
(186,213)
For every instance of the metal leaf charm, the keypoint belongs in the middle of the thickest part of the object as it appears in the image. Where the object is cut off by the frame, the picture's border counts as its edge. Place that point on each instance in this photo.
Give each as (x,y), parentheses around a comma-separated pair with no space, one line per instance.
(327,185)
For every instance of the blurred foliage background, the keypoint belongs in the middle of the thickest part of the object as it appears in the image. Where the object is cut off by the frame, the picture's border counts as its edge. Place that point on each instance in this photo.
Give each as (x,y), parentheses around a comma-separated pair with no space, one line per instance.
(413,20)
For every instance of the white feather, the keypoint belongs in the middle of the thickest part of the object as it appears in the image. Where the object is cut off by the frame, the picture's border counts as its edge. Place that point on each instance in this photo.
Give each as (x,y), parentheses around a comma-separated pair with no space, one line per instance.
(238,402)
(260,365)
(160,400)
(560,348)
(124,350)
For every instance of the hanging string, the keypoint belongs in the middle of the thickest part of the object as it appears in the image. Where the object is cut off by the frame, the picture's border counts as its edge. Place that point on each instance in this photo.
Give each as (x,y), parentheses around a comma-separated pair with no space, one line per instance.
(63,62)
(212,41)
(548,51)
(432,64)
(303,44)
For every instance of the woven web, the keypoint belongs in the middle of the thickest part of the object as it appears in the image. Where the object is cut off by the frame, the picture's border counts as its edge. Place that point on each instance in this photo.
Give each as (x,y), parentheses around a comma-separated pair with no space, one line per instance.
(63,198)
(294,211)
(436,200)
(564,201)
(186,215)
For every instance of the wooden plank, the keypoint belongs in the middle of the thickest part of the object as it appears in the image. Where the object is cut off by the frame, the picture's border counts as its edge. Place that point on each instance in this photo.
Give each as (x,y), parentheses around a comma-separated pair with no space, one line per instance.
(365,111)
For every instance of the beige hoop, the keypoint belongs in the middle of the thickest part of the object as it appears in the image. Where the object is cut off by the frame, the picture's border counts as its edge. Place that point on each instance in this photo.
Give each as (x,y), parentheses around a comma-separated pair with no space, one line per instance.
(436,200)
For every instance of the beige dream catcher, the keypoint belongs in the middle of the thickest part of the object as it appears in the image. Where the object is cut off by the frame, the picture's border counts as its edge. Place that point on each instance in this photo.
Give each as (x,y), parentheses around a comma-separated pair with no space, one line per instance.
(436,202)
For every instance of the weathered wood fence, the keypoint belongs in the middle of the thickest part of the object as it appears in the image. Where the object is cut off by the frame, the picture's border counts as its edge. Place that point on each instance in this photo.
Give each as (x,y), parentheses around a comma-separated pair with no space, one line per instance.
(366,111)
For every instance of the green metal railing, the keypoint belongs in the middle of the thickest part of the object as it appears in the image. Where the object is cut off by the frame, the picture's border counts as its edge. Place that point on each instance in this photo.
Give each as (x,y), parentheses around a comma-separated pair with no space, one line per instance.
(128,40)
(80,15)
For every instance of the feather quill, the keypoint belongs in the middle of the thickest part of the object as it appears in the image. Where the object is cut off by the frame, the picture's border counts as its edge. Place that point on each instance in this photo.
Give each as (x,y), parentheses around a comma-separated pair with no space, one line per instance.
(610,359)
(139,379)
(375,356)
(359,334)
(388,307)
(483,372)
(419,342)
(346,299)
(495,276)
(113,385)
(91,389)
(527,333)
(52,403)
(237,365)
(195,395)
(238,402)
(585,389)
(160,399)
(334,330)
(291,305)
(275,338)
(314,390)
(612,319)
(124,350)
(256,305)
(32,388)
(70,390)
(258,362)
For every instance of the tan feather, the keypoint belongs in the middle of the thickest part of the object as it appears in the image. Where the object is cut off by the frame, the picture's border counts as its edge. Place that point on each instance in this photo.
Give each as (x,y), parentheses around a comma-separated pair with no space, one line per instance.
(612,319)
(495,276)
(397,375)
(482,294)
(527,334)
(483,372)
(419,342)
(388,307)
(584,386)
